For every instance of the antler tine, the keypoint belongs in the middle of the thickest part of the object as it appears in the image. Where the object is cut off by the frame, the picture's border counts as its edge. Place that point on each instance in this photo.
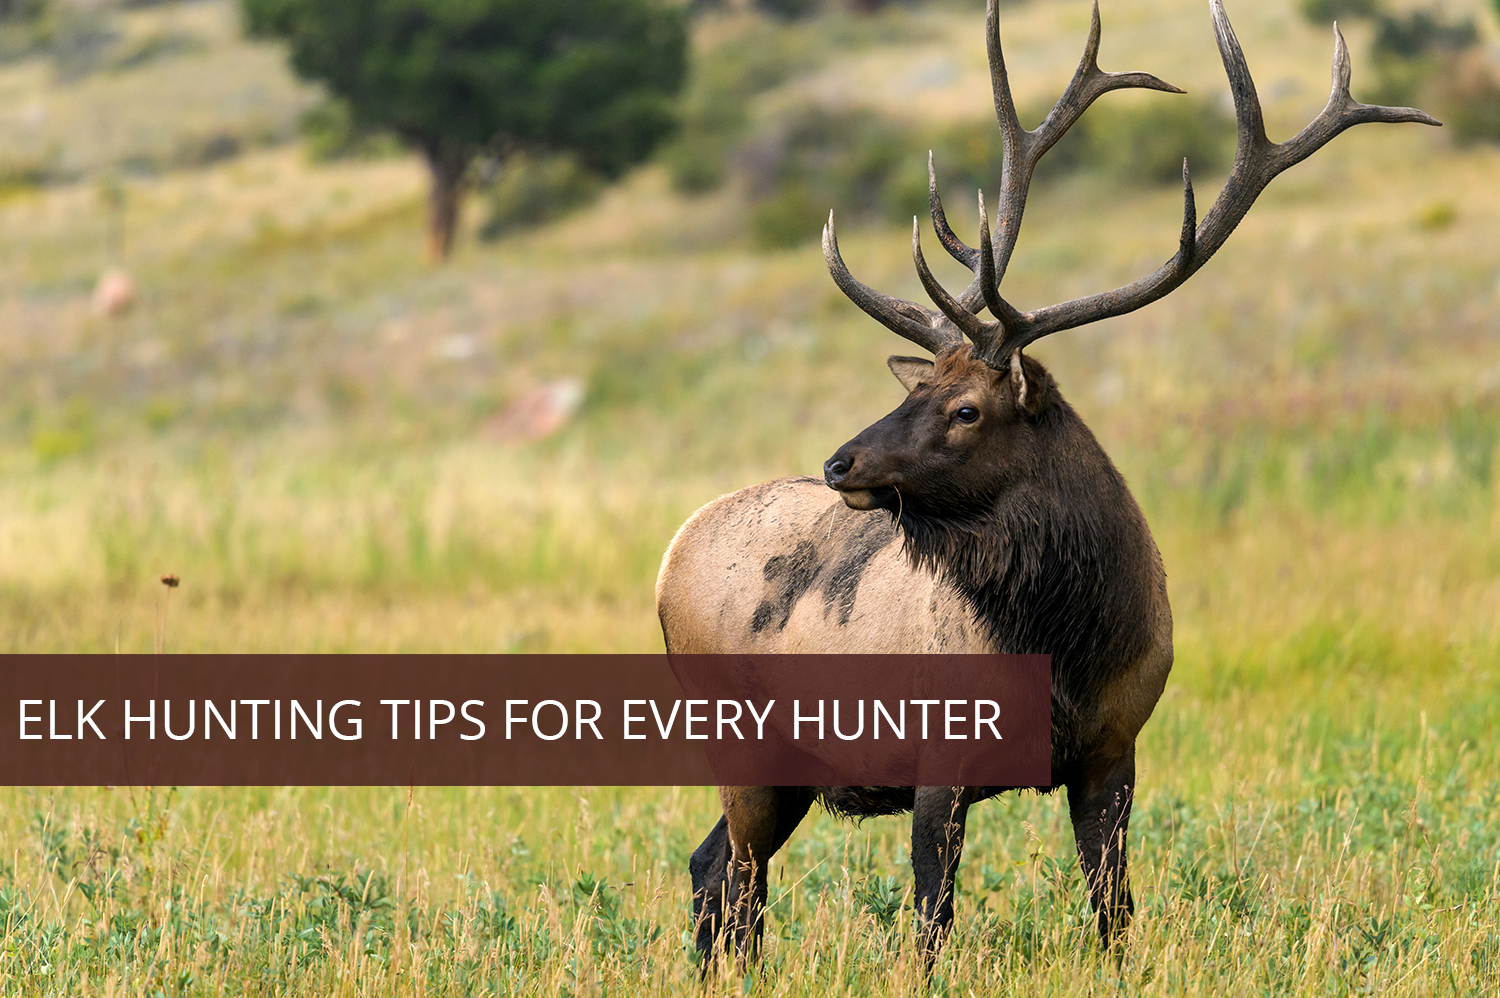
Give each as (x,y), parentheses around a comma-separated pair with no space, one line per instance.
(1005,104)
(1017,162)
(954,245)
(1257,162)
(1189,237)
(1022,148)
(975,328)
(1089,83)
(922,326)
(989,282)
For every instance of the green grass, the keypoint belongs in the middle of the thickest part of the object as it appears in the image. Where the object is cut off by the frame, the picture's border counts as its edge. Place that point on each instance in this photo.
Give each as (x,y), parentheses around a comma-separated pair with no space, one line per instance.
(1348,850)
(293,418)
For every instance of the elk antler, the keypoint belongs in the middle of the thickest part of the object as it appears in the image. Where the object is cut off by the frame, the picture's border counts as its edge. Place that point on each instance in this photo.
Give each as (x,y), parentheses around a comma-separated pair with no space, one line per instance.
(1257,161)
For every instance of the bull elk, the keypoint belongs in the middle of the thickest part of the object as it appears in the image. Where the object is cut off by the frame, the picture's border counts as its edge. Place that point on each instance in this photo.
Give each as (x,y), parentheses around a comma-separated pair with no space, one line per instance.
(981,515)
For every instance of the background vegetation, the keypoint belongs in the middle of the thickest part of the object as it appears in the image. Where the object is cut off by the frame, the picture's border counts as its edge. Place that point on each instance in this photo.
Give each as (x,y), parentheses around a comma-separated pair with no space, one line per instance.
(326,441)
(595,79)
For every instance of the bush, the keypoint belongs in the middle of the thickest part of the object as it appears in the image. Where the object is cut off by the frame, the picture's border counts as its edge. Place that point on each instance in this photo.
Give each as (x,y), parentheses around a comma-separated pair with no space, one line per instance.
(329,131)
(805,160)
(714,115)
(1467,98)
(1144,143)
(1421,59)
(1321,12)
(531,191)
(22,10)
(21,172)
(715,110)
(969,156)
(159,45)
(1421,33)
(788,10)
(205,150)
(1410,51)
(867,167)
(789,217)
(813,159)
(1147,143)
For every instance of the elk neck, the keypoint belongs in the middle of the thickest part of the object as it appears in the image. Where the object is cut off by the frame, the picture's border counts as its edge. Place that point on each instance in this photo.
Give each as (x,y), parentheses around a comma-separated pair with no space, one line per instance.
(1060,563)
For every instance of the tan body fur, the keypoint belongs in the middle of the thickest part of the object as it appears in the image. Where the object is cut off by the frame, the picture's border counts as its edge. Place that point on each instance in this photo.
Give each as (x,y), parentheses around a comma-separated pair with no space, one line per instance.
(713,578)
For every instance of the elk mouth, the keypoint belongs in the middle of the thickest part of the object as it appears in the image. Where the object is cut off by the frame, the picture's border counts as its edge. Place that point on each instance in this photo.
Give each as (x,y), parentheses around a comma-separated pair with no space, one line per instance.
(839,473)
(879,497)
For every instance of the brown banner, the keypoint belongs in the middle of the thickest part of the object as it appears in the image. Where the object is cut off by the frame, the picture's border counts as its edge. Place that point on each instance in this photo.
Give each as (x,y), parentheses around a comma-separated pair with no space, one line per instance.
(535,720)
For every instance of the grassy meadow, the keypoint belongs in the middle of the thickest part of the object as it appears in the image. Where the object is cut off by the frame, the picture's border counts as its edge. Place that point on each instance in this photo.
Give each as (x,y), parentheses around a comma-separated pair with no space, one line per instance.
(299,418)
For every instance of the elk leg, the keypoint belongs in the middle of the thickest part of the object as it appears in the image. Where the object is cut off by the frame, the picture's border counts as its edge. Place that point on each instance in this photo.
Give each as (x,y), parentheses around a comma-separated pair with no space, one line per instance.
(1099,803)
(709,867)
(937,841)
(757,822)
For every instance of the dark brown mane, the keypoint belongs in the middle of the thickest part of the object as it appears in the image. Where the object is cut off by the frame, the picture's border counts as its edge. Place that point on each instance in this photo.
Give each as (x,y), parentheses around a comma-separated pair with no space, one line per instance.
(1061,564)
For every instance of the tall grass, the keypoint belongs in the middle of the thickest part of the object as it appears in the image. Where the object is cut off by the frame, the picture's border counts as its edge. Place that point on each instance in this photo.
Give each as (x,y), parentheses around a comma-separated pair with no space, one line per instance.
(1345,852)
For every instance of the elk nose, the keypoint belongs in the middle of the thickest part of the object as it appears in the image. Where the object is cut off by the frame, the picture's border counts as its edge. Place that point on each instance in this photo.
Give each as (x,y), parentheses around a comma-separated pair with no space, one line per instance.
(837,468)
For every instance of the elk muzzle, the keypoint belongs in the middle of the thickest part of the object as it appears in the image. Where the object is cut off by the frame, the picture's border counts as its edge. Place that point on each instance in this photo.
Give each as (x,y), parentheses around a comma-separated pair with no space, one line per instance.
(849,472)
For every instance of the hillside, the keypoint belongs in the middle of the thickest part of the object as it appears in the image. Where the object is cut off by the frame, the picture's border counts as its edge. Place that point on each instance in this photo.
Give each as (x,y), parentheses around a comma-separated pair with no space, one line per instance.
(293,414)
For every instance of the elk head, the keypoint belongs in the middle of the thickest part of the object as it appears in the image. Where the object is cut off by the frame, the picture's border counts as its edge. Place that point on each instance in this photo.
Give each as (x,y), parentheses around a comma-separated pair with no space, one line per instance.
(970,420)
(946,449)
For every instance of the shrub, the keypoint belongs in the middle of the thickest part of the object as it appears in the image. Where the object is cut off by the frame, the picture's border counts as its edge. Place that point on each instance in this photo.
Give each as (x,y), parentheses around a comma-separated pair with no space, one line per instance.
(813,159)
(715,110)
(789,217)
(865,166)
(969,155)
(329,133)
(1148,142)
(22,10)
(1467,98)
(1410,51)
(788,10)
(1420,33)
(205,150)
(533,190)
(21,172)
(1422,59)
(158,45)
(1320,12)
(714,115)
(1144,143)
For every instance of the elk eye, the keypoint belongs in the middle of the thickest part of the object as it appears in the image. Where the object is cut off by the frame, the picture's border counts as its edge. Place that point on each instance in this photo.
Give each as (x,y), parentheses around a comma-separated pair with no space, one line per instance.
(966,414)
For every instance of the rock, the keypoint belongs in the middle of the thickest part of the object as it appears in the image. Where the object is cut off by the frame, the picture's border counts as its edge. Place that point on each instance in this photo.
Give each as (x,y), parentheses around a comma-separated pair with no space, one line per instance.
(115,292)
(537,412)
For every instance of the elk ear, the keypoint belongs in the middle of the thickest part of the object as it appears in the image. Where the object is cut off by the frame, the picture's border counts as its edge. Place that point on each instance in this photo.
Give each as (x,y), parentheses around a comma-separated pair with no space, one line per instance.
(1029,390)
(910,371)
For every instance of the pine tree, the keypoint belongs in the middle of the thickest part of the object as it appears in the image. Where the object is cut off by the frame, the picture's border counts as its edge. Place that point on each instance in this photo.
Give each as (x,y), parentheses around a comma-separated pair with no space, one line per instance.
(454,78)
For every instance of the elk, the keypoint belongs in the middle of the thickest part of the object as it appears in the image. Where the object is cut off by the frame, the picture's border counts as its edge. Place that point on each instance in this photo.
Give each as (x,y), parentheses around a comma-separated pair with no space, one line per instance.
(981,515)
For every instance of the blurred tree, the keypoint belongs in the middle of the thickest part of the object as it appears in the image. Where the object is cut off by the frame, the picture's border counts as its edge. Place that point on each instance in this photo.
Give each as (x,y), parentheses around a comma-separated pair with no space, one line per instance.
(455,78)
(1419,56)
(1421,32)
(21,10)
(1322,12)
(790,10)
